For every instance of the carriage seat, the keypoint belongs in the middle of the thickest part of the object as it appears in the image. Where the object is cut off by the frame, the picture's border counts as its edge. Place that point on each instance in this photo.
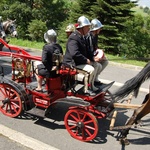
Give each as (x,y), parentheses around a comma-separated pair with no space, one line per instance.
(53,81)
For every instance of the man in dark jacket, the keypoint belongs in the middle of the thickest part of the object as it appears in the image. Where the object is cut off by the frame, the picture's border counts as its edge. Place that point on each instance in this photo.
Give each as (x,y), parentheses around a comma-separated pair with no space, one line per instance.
(92,39)
(47,67)
(78,55)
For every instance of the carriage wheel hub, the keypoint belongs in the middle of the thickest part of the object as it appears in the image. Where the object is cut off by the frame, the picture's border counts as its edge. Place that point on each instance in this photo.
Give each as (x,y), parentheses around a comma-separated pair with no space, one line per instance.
(6,100)
(80,124)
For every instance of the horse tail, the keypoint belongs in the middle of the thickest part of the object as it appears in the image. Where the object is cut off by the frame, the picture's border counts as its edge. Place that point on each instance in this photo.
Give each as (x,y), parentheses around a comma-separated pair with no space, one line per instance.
(133,84)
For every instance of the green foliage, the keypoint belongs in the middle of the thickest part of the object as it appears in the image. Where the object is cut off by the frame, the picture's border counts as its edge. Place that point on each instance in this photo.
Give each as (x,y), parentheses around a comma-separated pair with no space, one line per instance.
(139,10)
(123,33)
(146,9)
(36,28)
(112,14)
(52,12)
(136,37)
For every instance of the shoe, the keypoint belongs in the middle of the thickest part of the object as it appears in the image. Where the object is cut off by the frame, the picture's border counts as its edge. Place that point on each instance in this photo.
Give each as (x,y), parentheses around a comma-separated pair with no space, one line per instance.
(95,89)
(89,92)
(97,83)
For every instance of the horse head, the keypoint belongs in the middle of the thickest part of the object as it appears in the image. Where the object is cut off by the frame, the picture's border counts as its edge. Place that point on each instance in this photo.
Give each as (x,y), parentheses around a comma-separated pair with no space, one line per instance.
(10,27)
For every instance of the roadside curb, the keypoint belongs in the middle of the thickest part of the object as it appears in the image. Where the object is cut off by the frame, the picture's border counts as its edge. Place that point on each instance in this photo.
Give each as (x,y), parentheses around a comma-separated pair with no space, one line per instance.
(126,65)
(24,139)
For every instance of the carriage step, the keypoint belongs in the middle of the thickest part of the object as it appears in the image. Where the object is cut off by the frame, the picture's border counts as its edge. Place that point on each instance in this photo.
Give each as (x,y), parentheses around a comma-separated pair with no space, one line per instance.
(37,112)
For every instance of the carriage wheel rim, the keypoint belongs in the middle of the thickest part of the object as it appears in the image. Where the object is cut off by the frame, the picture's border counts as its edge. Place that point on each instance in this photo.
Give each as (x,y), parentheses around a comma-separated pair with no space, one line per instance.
(81,124)
(10,102)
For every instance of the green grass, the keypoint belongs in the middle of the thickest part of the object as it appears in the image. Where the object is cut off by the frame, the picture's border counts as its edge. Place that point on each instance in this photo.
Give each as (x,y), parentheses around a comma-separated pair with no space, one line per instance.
(140,11)
(125,61)
(26,43)
(39,46)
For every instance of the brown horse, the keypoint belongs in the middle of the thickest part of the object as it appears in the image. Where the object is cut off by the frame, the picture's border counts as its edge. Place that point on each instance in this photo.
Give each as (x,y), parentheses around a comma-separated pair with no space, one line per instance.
(133,85)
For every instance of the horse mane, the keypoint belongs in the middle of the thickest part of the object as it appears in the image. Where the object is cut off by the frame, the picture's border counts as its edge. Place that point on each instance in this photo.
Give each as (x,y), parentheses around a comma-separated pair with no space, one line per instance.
(133,84)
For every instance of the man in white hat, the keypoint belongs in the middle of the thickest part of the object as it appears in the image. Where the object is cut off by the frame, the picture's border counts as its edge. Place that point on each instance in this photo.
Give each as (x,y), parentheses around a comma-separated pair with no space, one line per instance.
(78,55)
(46,69)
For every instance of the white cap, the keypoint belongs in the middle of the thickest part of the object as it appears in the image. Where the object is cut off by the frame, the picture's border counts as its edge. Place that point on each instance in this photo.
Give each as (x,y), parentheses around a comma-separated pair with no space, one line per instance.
(50,36)
(83,21)
(70,28)
(95,25)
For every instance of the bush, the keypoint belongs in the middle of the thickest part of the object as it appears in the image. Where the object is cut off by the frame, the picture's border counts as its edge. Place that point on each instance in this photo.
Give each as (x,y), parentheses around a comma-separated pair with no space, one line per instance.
(36,30)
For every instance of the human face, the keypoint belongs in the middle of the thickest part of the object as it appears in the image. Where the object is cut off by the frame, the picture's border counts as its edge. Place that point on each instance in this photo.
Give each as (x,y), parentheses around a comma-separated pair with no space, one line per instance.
(86,29)
(68,34)
(98,31)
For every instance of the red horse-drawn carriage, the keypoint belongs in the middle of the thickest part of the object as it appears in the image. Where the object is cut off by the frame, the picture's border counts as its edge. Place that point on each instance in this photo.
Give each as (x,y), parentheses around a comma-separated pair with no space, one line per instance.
(18,94)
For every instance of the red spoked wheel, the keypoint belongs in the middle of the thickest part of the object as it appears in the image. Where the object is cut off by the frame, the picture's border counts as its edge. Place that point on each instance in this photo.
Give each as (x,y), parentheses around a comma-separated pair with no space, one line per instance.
(81,124)
(10,102)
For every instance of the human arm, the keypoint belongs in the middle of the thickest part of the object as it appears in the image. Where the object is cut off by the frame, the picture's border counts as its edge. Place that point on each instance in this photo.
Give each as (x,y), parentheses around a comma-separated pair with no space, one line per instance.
(77,50)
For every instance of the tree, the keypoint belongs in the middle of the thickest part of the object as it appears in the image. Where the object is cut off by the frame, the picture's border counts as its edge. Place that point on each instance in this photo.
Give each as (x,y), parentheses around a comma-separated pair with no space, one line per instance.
(136,37)
(36,29)
(113,14)
(146,9)
(53,12)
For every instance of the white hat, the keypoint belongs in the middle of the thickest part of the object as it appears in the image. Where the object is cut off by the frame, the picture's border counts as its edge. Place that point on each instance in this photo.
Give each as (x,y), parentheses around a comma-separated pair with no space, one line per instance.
(83,21)
(70,28)
(50,36)
(96,24)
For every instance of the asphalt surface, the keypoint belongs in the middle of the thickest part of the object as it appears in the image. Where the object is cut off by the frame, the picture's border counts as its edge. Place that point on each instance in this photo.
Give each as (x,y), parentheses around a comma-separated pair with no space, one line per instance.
(8,144)
(15,140)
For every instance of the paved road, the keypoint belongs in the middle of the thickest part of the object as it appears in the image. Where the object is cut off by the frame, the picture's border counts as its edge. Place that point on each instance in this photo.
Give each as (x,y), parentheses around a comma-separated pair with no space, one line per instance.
(31,133)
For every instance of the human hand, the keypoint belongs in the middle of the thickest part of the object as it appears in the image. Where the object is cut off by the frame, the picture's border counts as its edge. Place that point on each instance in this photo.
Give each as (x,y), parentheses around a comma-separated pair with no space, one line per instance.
(54,68)
(99,55)
(96,58)
(88,61)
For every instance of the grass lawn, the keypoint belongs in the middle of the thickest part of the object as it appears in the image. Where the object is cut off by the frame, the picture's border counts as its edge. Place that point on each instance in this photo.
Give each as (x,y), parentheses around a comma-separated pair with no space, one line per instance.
(140,11)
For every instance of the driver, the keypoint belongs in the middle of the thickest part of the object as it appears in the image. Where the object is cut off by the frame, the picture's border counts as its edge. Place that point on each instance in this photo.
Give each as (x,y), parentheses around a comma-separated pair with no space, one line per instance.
(78,55)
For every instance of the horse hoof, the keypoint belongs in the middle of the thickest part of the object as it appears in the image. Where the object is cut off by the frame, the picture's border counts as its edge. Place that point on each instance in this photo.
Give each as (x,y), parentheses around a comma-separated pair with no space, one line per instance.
(124,141)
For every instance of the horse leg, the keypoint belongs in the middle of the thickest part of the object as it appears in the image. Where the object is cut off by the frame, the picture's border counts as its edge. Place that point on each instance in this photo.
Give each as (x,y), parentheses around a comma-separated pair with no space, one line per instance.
(137,115)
